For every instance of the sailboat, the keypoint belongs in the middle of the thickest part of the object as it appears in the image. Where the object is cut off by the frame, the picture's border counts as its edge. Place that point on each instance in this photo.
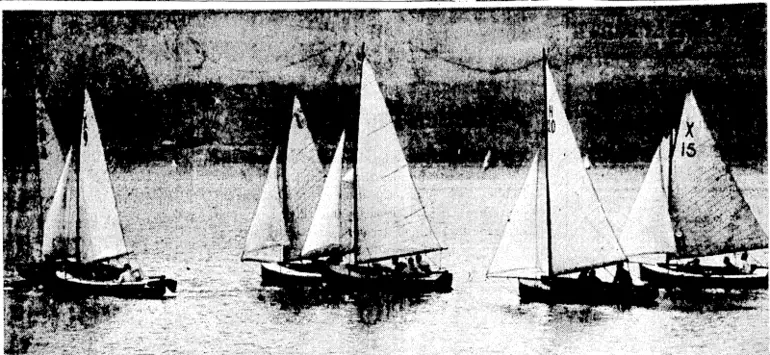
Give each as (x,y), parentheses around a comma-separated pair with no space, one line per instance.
(82,231)
(285,210)
(389,219)
(690,206)
(558,226)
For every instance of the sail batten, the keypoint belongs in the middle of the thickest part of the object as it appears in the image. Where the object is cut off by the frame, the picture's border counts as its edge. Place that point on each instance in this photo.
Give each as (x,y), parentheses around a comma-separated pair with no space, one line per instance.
(709,212)
(101,236)
(384,185)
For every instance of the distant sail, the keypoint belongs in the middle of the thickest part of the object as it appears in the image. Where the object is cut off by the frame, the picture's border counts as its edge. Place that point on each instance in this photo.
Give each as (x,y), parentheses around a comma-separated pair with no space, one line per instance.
(707,205)
(581,235)
(60,218)
(100,231)
(49,151)
(324,235)
(487,159)
(392,220)
(304,179)
(267,232)
(648,228)
(523,250)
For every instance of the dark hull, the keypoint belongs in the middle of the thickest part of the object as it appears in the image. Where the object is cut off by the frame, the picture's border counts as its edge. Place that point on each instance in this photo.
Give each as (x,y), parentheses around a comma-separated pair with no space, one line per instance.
(564,290)
(348,280)
(673,276)
(154,287)
(291,275)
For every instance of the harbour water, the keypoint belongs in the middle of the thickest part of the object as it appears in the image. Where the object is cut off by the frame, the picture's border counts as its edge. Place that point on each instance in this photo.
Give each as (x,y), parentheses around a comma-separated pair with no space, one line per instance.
(191,226)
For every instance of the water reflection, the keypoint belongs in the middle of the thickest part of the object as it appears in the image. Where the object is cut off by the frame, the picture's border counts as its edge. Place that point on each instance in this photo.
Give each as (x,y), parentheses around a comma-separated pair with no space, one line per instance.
(29,316)
(712,300)
(370,307)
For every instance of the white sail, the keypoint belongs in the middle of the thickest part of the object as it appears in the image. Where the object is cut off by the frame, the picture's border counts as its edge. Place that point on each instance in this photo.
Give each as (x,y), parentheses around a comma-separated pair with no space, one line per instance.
(60,218)
(267,233)
(391,218)
(648,228)
(523,250)
(100,232)
(304,180)
(51,157)
(324,234)
(708,209)
(581,235)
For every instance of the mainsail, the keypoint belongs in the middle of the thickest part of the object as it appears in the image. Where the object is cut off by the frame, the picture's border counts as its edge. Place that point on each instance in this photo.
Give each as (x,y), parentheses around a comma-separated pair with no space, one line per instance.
(101,236)
(581,236)
(304,178)
(391,218)
(289,197)
(59,233)
(648,228)
(323,237)
(50,153)
(707,207)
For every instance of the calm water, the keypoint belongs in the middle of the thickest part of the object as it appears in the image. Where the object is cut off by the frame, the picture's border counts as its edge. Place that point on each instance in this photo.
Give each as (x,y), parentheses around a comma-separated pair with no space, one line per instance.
(191,227)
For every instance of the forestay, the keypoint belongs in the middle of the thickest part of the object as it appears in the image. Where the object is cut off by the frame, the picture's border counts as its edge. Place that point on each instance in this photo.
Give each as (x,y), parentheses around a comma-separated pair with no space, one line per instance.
(581,235)
(101,236)
(323,237)
(708,209)
(648,228)
(304,180)
(391,218)
(267,232)
(523,248)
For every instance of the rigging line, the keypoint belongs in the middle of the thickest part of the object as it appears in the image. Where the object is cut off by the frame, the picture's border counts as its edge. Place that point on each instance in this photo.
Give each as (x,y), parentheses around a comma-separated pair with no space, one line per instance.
(493,71)
(289,65)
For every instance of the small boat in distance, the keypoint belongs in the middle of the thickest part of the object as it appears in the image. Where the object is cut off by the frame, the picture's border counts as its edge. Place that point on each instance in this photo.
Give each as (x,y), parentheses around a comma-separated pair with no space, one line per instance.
(690,206)
(389,220)
(558,226)
(82,235)
(289,199)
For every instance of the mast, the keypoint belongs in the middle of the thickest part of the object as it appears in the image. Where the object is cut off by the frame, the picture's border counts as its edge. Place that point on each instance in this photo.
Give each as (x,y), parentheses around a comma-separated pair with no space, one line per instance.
(355,158)
(288,221)
(669,195)
(77,188)
(547,184)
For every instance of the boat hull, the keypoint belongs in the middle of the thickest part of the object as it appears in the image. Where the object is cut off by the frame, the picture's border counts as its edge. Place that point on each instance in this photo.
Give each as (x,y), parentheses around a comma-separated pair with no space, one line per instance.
(673,276)
(363,279)
(291,275)
(154,287)
(564,290)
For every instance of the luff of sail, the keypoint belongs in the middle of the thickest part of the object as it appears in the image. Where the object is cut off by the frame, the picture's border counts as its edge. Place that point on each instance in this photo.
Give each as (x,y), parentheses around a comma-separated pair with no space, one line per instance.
(581,235)
(304,178)
(323,238)
(267,232)
(391,218)
(522,252)
(707,206)
(59,234)
(101,236)
(648,228)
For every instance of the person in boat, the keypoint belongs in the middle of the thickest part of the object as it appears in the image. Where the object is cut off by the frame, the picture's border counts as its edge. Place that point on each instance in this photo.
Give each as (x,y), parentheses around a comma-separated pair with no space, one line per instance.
(411,268)
(729,267)
(422,265)
(589,276)
(622,276)
(694,266)
(130,274)
(744,265)
(399,267)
